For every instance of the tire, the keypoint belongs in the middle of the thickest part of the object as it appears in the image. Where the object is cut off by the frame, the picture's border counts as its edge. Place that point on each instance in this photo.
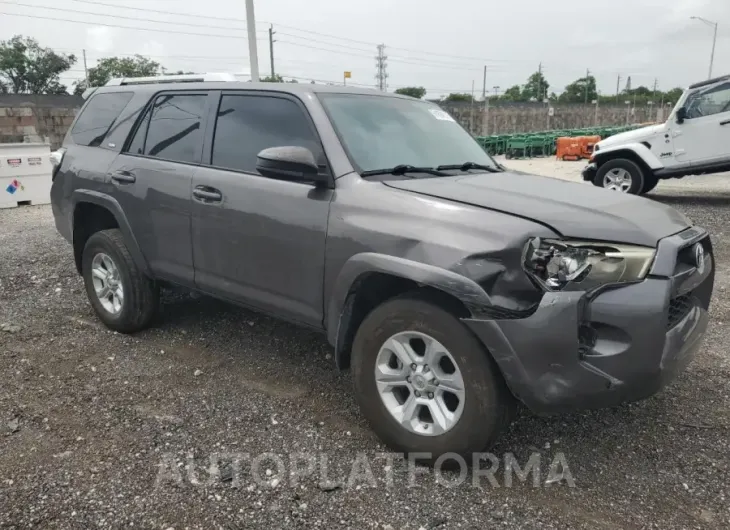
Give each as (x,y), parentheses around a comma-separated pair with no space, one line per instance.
(487,407)
(140,295)
(650,183)
(621,164)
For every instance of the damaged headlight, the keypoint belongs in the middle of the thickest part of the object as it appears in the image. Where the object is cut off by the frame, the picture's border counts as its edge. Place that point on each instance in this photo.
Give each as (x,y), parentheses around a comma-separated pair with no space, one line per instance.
(583,266)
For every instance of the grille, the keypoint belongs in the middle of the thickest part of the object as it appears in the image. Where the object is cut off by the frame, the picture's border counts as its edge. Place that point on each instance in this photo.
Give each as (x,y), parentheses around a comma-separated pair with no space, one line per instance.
(678,309)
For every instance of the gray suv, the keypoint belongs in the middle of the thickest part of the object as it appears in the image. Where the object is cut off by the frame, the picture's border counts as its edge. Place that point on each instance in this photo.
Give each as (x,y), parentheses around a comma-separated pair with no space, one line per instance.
(452,287)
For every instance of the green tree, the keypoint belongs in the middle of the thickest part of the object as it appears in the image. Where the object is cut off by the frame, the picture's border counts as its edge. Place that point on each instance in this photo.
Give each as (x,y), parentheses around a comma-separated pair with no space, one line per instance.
(28,68)
(673,95)
(513,93)
(414,91)
(580,91)
(455,96)
(111,67)
(276,78)
(536,87)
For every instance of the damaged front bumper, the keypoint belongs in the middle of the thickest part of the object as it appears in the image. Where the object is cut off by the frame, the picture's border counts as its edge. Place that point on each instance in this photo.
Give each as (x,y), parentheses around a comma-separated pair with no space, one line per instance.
(580,350)
(589,172)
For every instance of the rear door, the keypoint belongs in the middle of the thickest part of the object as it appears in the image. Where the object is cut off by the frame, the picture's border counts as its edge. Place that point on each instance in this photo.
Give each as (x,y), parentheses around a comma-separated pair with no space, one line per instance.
(704,136)
(152,180)
(260,241)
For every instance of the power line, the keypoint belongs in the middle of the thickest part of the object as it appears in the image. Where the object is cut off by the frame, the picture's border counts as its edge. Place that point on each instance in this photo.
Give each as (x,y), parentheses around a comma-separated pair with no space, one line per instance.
(161,12)
(125,27)
(481,60)
(122,17)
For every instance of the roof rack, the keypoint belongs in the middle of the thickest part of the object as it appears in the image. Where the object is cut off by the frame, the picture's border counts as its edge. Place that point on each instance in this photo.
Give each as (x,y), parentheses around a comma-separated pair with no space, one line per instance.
(183,78)
(710,81)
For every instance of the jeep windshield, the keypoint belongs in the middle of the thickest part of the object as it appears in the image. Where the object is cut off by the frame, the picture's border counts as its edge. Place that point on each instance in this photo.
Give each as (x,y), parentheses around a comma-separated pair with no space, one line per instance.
(389,135)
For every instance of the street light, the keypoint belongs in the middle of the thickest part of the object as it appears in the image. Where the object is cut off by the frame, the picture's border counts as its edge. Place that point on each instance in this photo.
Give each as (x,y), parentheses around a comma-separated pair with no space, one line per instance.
(714,39)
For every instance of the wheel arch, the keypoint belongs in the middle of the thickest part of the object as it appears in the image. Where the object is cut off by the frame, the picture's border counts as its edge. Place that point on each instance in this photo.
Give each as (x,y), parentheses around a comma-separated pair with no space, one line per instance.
(368,279)
(93,211)
(637,153)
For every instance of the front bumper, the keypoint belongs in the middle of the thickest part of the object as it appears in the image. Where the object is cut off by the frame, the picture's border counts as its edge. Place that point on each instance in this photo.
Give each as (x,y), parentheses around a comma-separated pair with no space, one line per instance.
(589,172)
(624,344)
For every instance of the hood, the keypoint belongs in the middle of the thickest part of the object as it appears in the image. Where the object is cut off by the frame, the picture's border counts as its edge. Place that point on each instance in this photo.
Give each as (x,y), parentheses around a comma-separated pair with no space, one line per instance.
(635,136)
(578,211)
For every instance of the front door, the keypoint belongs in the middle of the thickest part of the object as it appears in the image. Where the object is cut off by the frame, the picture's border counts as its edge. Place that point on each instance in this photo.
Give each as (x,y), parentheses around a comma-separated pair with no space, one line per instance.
(257,240)
(152,179)
(704,136)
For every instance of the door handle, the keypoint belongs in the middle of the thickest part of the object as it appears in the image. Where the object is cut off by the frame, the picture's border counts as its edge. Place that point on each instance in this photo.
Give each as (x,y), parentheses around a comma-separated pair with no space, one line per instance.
(726,122)
(207,194)
(123,177)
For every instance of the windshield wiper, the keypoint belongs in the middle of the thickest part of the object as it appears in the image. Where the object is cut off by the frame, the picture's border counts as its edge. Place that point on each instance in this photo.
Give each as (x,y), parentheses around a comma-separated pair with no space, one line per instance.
(466,166)
(402,169)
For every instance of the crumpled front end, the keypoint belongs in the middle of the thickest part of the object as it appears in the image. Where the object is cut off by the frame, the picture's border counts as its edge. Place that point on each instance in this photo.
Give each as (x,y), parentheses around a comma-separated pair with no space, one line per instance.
(624,343)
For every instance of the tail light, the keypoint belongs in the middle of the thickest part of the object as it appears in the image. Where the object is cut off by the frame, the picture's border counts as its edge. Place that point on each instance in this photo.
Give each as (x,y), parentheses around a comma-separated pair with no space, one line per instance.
(56,159)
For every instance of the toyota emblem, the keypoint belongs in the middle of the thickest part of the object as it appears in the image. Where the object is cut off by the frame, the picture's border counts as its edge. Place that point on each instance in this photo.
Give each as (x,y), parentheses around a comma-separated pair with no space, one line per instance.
(699,257)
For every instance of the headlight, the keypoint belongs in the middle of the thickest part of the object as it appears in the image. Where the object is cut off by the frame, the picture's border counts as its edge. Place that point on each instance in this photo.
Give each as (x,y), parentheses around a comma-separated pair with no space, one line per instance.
(583,266)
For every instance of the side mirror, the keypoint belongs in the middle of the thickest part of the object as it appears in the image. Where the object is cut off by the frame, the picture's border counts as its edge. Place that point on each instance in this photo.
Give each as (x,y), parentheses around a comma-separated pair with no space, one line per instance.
(289,163)
(681,114)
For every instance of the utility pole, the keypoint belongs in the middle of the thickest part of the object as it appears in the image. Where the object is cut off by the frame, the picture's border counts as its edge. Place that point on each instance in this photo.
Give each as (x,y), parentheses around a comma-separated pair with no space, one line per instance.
(271,49)
(539,82)
(471,125)
(86,71)
(485,102)
(618,84)
(381,65)
(588,73)
(253,54)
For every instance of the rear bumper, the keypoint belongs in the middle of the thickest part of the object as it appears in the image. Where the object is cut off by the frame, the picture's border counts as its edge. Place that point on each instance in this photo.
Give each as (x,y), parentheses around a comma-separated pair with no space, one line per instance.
(589,172)
(623,344)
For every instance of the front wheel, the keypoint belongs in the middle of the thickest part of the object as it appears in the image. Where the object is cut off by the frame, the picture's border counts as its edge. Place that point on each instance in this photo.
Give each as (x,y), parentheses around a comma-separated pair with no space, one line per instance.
(620,175)
(425,383)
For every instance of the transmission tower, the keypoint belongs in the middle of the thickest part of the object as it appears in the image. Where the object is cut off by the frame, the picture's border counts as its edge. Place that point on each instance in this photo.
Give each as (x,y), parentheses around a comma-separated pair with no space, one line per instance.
(381,65)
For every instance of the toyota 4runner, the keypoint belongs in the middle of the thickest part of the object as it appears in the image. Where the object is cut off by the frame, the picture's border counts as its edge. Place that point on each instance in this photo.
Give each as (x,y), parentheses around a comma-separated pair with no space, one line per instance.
(450,286)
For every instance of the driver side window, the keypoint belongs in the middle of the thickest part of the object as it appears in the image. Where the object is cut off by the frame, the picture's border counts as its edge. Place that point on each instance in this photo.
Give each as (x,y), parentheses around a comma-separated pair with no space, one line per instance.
(708,102)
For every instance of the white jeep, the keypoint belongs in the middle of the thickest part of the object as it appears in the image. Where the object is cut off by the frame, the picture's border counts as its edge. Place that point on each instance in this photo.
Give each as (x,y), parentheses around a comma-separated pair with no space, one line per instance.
(694,140)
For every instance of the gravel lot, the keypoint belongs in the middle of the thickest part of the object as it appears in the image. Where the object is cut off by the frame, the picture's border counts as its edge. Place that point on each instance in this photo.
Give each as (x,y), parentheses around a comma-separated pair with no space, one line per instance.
(100,430)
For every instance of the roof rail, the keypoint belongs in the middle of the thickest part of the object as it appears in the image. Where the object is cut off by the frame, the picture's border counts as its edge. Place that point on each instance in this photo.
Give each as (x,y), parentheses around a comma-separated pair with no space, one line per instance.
(183,78)
(709,81)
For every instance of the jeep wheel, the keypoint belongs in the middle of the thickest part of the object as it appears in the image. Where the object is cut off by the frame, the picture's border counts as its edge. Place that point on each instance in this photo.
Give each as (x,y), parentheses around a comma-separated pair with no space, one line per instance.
(621,175)
(122,297)
(425,383)
(650,183)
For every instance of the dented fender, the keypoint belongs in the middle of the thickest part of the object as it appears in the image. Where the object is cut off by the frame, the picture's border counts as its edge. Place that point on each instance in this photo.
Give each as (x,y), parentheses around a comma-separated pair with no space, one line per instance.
(466,290)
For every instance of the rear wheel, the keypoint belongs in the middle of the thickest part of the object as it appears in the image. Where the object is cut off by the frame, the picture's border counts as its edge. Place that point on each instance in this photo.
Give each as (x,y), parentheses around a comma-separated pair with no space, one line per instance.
(425,383)
(621,175)
(121,295)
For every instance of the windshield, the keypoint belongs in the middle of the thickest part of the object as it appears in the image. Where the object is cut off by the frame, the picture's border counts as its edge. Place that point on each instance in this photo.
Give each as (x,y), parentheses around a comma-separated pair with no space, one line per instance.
(385,132)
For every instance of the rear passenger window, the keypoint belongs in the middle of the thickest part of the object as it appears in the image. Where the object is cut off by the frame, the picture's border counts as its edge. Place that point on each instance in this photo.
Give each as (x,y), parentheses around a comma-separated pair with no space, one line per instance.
(98,117)
(172,129)
(248,124)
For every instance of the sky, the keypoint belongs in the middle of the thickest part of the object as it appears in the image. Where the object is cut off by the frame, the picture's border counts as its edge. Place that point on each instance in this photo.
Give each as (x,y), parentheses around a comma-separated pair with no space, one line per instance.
(442,46)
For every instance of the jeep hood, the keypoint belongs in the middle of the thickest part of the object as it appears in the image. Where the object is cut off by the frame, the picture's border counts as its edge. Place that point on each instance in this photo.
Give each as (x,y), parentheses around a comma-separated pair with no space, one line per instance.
(579,211)
(635,136)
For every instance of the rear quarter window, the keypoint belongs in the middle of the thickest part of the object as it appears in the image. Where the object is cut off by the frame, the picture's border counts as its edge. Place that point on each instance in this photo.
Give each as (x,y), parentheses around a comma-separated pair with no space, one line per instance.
(98,116)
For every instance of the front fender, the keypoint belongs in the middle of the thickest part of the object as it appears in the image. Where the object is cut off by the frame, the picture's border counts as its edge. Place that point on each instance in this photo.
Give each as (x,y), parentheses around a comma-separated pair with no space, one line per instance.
(113,206)
(638,149)
(464,289)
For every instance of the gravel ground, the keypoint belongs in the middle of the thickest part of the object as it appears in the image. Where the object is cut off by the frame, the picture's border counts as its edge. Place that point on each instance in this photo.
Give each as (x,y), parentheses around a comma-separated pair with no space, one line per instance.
(102,430)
